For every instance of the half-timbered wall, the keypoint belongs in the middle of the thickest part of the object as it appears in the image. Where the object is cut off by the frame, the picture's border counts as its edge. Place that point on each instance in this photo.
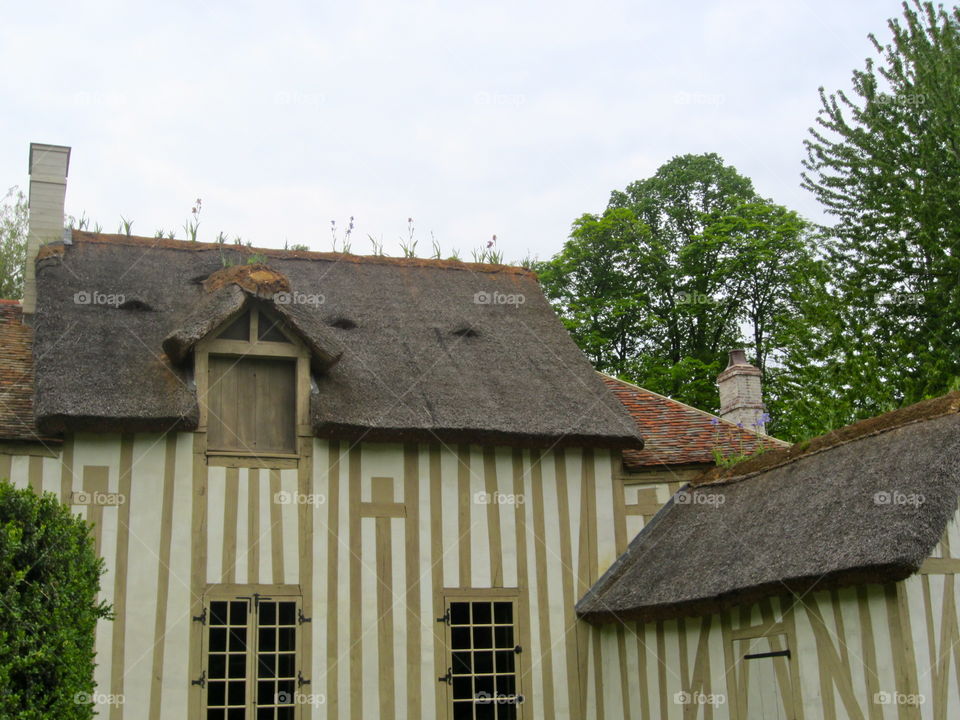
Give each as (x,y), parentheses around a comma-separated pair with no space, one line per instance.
(377,537)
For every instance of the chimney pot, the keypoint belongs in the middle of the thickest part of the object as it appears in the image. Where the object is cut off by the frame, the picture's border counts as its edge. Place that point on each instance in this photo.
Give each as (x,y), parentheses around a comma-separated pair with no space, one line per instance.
(737,357)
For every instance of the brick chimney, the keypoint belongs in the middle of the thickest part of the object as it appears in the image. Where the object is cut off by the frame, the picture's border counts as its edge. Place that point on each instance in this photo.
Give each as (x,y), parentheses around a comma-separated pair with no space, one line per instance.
(741,397)
(48,188)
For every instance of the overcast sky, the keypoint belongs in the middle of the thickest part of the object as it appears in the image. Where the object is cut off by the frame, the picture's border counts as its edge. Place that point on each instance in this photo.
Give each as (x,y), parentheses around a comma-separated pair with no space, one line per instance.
(506,118)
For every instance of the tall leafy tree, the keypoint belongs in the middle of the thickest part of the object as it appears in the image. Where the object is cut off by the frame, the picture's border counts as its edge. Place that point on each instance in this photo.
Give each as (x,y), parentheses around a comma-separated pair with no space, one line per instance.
(667,279)
(884,160)
(13,243)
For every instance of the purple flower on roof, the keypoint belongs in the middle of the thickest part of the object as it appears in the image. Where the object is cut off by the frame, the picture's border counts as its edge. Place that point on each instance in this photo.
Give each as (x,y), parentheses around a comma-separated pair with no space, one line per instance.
(740,425)
(715,421)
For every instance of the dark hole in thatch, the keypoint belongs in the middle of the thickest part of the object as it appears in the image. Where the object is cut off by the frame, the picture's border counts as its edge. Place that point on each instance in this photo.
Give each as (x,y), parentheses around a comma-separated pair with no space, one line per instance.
(468,332)
(135,305)
(343,324)
(199,279)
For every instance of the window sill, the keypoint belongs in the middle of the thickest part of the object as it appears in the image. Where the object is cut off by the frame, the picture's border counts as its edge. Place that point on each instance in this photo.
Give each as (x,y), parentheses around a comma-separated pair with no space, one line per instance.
(273,461)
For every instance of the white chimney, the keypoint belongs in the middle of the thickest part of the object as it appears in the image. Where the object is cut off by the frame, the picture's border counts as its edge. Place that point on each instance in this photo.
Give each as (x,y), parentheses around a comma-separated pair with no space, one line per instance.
(48,188)
(741,397)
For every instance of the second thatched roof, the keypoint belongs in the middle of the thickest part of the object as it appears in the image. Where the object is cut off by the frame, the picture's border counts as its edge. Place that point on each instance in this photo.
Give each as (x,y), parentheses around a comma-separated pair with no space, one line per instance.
(867,503)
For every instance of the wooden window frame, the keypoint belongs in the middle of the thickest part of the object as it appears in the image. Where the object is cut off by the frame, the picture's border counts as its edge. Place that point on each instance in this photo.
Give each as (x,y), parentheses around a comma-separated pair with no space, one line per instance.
(294,350)
(449,595)
(254,593)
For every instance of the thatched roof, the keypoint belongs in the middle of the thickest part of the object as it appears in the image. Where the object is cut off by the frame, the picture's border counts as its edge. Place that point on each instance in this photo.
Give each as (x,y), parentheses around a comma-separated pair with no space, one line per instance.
(418,357)
(676,434)
(867,503)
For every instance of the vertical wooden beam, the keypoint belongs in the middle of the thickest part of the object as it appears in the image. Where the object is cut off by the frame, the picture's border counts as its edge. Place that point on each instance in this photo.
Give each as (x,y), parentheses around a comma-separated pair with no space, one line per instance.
(464,533)
(198,565)
(117,665)
(333,581)
(411,499)
(356,621)
(163,576)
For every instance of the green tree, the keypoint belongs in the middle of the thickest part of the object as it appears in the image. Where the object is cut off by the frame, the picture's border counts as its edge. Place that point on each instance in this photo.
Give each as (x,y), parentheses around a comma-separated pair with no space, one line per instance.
(660,286)
(13,243)
(49,581)
(884,161)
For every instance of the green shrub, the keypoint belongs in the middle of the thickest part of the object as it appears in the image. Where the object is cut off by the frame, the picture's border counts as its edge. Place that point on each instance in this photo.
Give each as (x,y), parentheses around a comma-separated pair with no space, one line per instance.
(49,581)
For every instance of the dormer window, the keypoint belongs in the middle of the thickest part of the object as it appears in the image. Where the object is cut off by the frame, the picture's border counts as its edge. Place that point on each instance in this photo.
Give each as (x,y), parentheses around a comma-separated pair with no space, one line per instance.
(252,401)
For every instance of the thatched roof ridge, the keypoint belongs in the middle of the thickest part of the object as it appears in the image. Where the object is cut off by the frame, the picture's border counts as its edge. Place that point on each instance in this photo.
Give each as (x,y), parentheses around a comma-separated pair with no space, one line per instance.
(425,353)
(918,412)
(245,251)
(868,504)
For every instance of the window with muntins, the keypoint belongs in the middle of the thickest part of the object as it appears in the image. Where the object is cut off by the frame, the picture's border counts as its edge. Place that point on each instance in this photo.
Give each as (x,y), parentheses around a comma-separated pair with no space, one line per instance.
(252,658)
(484,657)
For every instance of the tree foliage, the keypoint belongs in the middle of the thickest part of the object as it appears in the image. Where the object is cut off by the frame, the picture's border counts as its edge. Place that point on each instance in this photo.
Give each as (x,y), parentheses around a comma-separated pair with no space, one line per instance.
(49,581)
(661,285)
(884,160)
(13,243)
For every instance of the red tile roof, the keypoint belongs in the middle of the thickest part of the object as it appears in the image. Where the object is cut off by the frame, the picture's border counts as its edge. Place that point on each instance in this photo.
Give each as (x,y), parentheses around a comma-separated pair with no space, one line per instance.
(16,375)
(678,434)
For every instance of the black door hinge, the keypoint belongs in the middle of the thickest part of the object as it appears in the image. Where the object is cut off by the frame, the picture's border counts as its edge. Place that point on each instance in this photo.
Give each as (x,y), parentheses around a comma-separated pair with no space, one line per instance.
(300,681)
(201,681)
(448,678)
(445,618)
(301,619)
(202,617)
